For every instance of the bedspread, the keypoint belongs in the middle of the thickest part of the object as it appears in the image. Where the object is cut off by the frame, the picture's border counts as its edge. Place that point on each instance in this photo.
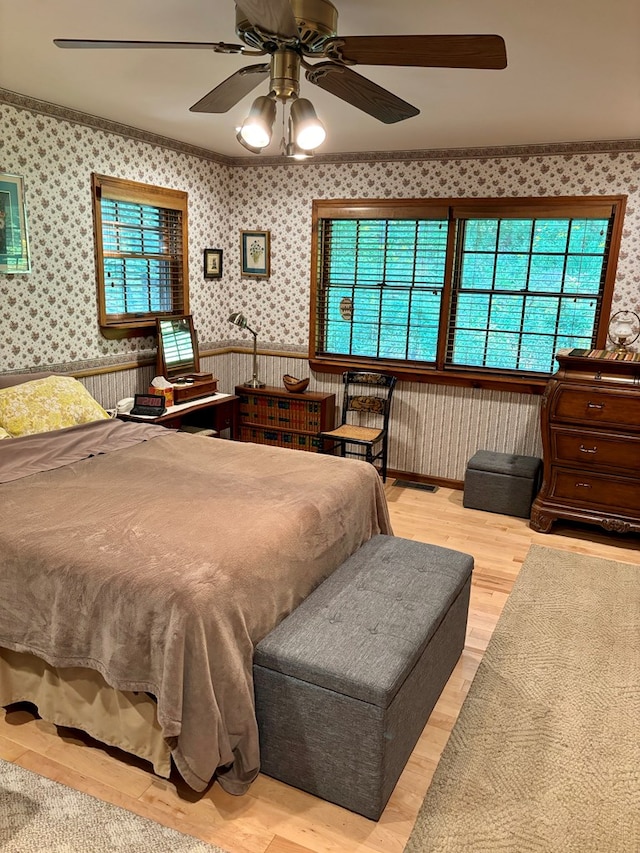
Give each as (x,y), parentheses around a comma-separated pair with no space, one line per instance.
(162,564)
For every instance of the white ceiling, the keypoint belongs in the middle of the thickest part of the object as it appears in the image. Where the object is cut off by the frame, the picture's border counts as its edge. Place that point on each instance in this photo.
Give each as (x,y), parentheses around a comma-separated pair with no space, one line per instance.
(573,71)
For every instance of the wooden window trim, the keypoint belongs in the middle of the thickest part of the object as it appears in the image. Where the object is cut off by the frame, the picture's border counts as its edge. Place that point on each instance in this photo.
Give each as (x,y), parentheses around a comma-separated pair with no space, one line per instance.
(119,189)
(534,207)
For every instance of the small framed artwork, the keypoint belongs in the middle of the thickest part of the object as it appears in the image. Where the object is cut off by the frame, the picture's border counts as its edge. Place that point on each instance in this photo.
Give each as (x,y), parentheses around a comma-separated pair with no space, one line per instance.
(213,263)
(14,243)
(254,252)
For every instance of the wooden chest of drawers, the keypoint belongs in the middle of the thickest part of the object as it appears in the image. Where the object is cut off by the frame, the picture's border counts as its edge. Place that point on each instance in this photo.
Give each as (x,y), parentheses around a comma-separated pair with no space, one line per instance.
(277,417)
(590,421)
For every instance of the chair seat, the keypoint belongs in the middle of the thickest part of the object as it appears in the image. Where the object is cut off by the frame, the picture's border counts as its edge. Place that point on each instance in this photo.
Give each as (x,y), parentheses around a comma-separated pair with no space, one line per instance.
(364,430)
(355,433)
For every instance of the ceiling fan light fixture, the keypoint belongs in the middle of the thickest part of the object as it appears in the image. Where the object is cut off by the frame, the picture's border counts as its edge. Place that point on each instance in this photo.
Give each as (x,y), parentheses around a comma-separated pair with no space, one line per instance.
(308,130)
(246,145)
(294,152)
(257,128)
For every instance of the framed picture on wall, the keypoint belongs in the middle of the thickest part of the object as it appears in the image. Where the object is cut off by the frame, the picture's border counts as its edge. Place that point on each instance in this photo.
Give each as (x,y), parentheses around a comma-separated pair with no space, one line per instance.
(14,242)
(254,253)
(213,263)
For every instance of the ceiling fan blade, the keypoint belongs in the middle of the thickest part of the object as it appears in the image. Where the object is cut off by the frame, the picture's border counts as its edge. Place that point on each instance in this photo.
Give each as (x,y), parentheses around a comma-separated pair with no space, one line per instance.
(360,92)
(217,47)
(270,16)
(233,89)
(448,51)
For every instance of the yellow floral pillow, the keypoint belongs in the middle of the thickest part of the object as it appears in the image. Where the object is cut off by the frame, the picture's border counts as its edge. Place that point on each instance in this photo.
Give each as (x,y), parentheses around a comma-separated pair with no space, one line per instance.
(4,434)
(47,404)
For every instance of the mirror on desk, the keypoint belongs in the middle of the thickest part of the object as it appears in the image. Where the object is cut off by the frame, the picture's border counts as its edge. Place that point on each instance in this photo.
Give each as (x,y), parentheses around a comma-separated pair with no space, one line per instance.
(177,347)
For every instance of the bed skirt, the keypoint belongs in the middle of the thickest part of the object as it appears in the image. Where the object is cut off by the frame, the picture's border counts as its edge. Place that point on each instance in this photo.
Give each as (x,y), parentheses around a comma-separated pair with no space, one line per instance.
(80,698)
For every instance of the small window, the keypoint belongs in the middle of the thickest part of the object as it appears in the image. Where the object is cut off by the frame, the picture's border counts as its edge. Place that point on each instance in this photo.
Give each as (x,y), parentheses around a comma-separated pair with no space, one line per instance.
(466,288)
(141,252)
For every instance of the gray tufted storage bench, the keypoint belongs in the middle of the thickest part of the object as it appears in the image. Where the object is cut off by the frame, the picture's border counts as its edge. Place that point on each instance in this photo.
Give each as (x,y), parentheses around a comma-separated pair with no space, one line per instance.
(345,684)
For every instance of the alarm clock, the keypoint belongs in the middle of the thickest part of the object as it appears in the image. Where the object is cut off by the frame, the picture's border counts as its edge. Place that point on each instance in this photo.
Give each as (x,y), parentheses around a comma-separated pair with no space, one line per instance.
(150,405)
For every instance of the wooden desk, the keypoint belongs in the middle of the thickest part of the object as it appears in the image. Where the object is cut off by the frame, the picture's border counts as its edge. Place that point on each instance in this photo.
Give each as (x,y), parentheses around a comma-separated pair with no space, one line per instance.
(219,412)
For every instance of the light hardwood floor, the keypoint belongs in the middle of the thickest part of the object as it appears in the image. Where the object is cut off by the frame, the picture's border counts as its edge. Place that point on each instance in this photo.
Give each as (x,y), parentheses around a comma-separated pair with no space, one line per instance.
(273,818)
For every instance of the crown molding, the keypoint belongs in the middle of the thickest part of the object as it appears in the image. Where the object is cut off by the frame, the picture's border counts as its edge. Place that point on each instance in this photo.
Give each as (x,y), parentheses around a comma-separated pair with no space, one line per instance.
(97,123)
(613,146)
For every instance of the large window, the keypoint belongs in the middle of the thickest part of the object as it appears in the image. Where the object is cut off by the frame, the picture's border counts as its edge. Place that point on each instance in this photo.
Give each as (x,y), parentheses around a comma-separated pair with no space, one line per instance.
(462,288)
(141,252)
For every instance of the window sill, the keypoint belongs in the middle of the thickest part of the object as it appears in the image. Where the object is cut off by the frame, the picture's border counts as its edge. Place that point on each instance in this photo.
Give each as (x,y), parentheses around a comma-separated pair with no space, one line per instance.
(129,329)
(427,375)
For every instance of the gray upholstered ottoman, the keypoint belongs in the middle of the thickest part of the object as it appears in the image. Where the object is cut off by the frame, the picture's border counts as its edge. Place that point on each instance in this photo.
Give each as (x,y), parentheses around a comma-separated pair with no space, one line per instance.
(502,482)
(345,684)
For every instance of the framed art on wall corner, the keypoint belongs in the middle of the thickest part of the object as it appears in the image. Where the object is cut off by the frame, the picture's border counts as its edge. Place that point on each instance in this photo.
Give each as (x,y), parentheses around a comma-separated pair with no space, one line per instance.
(255,253)
(213,263)
(14,241)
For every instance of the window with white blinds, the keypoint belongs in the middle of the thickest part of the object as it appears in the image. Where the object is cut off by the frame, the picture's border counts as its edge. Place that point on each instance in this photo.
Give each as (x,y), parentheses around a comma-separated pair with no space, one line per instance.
(497,286)
(141,247)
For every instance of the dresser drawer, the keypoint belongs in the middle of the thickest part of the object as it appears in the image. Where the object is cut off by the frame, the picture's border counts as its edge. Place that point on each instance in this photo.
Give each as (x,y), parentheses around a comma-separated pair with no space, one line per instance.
(596,449)
(595,405)
(589,489)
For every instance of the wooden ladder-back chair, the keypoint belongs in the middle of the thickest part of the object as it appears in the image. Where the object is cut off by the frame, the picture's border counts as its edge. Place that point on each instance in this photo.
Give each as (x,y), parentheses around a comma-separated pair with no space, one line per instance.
(364,430)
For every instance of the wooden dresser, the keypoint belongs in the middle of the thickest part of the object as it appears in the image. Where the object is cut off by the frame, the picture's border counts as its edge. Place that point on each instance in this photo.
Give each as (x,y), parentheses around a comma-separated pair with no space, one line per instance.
(590,421)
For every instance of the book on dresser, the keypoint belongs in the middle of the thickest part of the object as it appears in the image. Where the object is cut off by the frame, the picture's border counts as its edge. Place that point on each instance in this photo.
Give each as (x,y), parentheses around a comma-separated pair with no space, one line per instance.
(275,416)
(590,421)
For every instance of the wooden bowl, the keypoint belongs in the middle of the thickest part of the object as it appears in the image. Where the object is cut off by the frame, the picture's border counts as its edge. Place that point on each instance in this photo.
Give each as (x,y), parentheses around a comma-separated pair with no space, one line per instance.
(293,385)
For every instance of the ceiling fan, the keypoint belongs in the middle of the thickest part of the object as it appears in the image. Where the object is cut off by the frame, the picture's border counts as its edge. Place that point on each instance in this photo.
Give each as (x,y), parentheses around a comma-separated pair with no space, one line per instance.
(292,32)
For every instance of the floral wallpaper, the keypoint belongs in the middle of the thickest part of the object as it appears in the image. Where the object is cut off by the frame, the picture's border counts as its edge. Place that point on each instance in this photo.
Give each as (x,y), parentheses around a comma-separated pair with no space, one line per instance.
(280,199)
(49,316)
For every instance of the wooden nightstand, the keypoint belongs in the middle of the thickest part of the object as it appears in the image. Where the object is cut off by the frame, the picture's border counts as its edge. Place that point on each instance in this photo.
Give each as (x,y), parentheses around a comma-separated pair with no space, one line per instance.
(219,412)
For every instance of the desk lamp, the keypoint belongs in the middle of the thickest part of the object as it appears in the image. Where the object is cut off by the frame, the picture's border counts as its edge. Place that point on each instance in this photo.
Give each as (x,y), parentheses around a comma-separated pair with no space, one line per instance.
(240,320)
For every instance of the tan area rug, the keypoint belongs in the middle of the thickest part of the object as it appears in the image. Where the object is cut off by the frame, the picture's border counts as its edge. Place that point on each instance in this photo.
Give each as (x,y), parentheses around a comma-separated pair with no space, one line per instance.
(545,755)
(37,814)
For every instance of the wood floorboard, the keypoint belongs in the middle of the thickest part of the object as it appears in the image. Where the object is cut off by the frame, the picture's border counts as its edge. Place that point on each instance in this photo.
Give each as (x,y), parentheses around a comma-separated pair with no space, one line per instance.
(272,817)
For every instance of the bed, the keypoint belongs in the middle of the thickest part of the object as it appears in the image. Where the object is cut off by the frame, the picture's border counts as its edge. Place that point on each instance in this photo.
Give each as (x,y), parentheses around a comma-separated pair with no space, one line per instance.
(139,567)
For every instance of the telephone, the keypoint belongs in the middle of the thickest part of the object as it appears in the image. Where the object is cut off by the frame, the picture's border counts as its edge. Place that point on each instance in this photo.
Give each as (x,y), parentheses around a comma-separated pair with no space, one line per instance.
(124,406)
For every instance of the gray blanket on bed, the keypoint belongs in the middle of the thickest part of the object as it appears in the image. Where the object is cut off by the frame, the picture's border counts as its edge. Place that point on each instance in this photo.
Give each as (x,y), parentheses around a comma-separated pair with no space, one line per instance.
(161,564)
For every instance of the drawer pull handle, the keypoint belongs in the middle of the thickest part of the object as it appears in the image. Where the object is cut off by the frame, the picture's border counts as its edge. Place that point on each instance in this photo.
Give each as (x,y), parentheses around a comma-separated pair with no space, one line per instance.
(583,485)
(591,405)
(584,449)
